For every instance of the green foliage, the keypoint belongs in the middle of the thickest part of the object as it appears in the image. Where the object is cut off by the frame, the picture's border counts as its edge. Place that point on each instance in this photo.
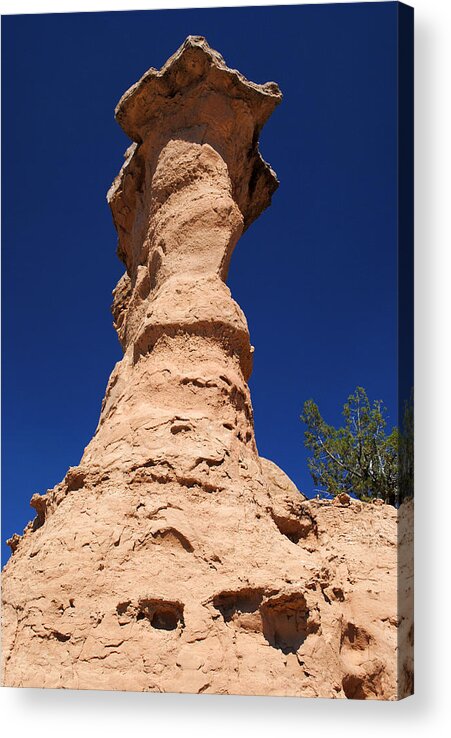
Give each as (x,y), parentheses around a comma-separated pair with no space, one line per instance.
(360,458)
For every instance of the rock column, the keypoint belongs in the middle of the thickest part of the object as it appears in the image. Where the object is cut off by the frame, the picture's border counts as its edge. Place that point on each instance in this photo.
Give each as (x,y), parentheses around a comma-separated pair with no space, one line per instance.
(173,557)
(179,403)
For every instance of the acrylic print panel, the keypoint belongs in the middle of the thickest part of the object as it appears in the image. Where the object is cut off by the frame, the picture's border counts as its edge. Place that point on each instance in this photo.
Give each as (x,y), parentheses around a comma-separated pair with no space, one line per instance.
(201,541)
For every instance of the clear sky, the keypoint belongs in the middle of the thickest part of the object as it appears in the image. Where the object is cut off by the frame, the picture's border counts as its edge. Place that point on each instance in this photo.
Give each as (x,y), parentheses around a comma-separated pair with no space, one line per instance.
(315,275)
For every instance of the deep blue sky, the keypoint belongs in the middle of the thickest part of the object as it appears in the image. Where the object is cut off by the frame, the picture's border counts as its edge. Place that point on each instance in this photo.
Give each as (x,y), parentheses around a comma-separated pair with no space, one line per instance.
(315,274)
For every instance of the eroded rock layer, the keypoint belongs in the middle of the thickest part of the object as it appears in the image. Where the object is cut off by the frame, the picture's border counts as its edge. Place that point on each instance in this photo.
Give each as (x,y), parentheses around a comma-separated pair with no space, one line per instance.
(174,558)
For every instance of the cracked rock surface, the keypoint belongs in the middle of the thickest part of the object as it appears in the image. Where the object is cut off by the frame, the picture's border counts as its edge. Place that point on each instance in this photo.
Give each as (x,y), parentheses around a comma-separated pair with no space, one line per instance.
(174,557)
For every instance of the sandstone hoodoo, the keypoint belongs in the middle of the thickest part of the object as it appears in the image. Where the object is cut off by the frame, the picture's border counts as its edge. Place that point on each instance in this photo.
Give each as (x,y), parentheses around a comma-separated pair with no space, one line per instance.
(173,557)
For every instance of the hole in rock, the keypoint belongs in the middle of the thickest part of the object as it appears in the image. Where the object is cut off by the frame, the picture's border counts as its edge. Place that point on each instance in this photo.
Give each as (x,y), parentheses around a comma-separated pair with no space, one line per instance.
(295,528)
(165,620)
(363,686)
(194,381)
(161,614)
(147,465)
(242,601)
(62,637)
(209,462)
(353,687)
(172,537)
(122,607)
(38,522)
(75,480)
(180,428)
(338,594)
(286,622)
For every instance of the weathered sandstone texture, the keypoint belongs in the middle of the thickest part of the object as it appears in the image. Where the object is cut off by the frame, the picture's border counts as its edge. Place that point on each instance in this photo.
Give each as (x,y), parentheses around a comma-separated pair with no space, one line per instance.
(173,557)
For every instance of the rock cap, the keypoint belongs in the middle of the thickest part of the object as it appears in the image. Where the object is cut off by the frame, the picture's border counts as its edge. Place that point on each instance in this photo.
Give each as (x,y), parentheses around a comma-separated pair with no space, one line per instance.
(196,96)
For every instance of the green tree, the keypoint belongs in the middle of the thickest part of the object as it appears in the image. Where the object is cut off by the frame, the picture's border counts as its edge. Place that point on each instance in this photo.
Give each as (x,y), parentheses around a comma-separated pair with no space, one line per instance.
(359,458)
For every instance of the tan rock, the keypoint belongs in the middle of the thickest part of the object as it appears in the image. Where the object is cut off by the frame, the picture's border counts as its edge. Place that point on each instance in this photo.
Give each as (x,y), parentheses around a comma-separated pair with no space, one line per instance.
(342,499)
(174,558)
